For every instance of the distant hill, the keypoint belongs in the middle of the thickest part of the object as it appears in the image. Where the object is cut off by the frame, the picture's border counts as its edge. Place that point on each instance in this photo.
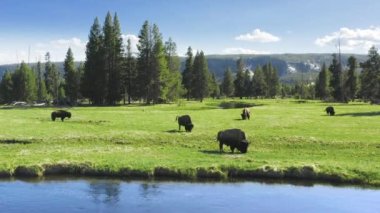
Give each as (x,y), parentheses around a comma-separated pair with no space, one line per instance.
(291,67)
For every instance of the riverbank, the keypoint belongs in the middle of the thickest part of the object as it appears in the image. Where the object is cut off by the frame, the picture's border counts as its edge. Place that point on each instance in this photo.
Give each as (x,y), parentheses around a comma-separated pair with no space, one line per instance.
(288,140)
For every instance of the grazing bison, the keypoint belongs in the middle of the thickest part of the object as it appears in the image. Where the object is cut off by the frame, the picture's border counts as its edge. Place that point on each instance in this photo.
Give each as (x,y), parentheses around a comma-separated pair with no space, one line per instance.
(234,138)
(185,121)
(60,114)
(246,114)
(330,110)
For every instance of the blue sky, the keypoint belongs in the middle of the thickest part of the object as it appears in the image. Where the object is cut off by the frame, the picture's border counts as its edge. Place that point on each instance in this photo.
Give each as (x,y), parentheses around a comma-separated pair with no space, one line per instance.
(214,26)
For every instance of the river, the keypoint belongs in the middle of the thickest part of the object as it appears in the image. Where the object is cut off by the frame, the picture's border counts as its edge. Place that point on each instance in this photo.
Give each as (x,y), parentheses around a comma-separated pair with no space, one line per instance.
(108,195)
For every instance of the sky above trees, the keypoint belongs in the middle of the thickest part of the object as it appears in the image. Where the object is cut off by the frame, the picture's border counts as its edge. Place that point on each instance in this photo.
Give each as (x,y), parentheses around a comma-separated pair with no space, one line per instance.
(214,26)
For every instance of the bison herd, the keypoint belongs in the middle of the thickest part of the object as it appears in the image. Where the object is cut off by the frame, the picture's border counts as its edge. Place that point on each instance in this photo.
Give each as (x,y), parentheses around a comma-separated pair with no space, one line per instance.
(234,138)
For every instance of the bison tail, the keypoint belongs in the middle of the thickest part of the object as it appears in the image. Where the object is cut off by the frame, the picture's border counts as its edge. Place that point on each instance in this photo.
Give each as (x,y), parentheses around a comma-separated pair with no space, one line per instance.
(176,118)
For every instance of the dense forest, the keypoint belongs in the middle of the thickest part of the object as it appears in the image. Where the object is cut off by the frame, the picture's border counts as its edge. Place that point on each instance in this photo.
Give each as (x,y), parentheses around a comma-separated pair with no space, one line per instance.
(111,74)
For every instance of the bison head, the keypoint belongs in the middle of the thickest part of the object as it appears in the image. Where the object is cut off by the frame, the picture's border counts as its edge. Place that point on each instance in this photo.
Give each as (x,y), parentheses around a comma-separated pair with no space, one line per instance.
(189,127)
(243,146)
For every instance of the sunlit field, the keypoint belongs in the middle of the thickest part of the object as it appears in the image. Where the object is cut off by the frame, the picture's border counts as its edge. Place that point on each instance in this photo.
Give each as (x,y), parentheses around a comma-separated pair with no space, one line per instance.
(288,139)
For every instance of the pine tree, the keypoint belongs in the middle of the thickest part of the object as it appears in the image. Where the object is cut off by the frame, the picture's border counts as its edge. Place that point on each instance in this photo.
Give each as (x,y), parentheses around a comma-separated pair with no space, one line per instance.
(336,80)
(247,83)
(239,80)
(144,63)
(271,80)
(201,77)
(322,84)
(188,75)
(275,82)
(350,84)
(6,88)
(71,85)
(370,77)
(214,89)
(228,83)
(161,75)
(49,77)
(258,83)
(93,83)
(24,84)
(113,55)
(41,87)
(129,74)
(175,78)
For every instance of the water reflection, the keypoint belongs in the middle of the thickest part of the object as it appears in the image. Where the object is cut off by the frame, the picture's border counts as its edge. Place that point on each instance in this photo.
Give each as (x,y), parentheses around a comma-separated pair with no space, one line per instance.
(149,190)
(105,191)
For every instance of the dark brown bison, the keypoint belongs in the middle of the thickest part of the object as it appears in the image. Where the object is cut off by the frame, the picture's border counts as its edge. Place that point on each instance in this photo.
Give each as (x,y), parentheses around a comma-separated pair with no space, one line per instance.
(234,138)
(185,121)
(246,114)
(330,110)
(60,114)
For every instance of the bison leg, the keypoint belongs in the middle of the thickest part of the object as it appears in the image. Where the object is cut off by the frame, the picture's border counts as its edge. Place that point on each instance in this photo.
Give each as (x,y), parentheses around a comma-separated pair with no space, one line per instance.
(220,147)
(179,127)
(232,149)
(62,118)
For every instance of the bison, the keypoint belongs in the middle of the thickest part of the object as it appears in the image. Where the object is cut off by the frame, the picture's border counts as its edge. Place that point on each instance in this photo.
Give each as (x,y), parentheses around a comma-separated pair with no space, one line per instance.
(246,114)
(60,114)
(185,121)
(234,138)
(330,110)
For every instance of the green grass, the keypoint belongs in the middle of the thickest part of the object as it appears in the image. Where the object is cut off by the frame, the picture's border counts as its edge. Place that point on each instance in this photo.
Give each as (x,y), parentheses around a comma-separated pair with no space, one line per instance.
(288,139)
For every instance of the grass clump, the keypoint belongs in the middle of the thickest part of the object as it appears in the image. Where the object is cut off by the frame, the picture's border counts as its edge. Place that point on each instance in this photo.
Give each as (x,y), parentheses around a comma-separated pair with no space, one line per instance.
(29,171)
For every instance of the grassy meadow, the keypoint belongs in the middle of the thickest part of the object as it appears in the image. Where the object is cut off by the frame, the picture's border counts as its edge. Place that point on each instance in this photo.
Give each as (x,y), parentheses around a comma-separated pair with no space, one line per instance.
(288,139)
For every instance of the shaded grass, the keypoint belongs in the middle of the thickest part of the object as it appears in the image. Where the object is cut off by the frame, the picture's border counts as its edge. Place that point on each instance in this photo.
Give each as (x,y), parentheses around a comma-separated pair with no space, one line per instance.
(289,140)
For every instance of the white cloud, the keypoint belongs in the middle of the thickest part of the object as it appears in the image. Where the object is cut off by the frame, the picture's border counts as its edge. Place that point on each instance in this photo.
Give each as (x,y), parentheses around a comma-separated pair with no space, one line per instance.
(351,39)
(238,50)
(134,40)
(258,36)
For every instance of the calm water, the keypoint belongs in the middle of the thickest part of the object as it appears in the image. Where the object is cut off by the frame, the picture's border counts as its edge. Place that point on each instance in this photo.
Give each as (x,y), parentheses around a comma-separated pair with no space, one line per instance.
(97,195)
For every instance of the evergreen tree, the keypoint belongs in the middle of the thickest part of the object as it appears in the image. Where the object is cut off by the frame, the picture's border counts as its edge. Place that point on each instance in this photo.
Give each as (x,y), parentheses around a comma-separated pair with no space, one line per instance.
(175,78)
(24,84)
(129,74)
(336,80)
(113,55)
(271,80)
(322,84)
(351,80)
(239,80)
(71,83)
(161,75)
(214,87)
(41,87)
(228,83)
(144,63)
(93,83)
(6,88)
(247,83)
(188,75)
(201,77)
(258,83)
(370,77)
(275,82)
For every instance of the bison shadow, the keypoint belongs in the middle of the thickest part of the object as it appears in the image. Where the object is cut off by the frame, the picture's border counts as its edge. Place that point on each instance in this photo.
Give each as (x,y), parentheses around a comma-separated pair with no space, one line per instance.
(359,114)
(15,141)
(173,131)
(217,152)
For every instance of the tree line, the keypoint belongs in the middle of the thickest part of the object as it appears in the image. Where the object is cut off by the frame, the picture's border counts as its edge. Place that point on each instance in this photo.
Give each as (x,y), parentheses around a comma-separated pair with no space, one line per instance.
(335,83)
(113,74)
